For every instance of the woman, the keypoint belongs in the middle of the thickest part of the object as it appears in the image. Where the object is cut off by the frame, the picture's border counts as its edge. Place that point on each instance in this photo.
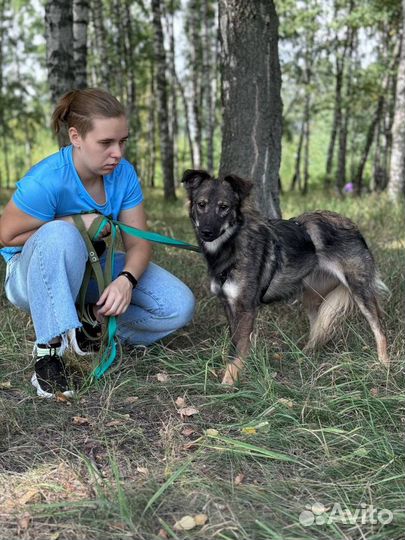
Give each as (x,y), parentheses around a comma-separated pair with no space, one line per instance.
(46,255)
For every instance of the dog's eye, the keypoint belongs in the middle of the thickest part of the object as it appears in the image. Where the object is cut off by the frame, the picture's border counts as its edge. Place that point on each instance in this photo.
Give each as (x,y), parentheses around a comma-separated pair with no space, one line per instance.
(201,204)
(223,207)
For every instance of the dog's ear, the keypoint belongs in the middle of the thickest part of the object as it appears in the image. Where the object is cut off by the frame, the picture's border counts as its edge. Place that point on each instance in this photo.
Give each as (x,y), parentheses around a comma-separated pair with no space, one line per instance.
(193,178)
(240,186)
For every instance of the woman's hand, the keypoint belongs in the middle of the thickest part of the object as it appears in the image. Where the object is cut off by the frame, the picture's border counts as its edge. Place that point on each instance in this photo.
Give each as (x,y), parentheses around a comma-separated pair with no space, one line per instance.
(88,221)
(115,298)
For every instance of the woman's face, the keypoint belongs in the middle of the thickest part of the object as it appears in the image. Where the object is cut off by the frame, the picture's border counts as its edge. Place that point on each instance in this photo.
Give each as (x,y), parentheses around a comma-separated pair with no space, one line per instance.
(101,149)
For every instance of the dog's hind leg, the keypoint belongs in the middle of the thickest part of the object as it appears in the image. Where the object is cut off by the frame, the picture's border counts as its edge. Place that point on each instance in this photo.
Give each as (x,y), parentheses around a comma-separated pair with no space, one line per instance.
(367,302)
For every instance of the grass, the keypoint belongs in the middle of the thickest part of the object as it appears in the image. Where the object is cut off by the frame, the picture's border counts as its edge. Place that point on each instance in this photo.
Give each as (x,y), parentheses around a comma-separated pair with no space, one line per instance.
(121,462)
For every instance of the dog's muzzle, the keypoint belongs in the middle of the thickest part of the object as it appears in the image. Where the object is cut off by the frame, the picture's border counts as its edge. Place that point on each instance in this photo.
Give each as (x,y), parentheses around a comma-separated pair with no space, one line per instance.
(207,235)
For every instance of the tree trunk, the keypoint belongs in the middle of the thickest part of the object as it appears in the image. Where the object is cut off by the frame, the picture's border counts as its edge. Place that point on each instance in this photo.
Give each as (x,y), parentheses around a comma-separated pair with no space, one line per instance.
(342,153)
(358,180)
(209,77)
(131,69)
(174,125)
(80,24)
(306,142)
(196,87)
(296,179)
(2,119)
(166,143)
(59,58)
(337,115)
(101,42)
(187,120)
(251,83)
(151,133)
(396,182)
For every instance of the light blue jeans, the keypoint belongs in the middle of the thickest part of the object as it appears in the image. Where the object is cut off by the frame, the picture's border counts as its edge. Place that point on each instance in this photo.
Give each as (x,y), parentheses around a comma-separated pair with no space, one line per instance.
(45,279)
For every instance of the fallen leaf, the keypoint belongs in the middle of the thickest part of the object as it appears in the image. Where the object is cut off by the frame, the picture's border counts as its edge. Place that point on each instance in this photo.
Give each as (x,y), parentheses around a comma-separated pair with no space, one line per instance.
(61,398)
(118,525)
(180,402)
(287,402)
(192,445)
(212,432)
(249,430)
(162,533)
(80,420)
(187,411)
(277,356)
(162,377)
(24,521)
(186,523)
(119,421)
(4,385)
(131,399)
(143,470)
(188,431)
(30,497)
(200,519)
(239,479)
(54,536)
(374,392)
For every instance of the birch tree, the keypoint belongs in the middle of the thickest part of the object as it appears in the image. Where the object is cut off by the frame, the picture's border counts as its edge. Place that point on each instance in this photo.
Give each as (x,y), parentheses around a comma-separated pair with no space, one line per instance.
(396,182)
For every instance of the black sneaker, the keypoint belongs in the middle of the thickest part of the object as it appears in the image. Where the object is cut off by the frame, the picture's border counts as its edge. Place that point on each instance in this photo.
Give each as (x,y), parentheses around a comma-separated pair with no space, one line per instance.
(49,377)
(87,340)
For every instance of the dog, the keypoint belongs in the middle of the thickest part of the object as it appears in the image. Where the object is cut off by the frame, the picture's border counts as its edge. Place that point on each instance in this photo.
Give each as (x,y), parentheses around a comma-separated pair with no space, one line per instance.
(321,256)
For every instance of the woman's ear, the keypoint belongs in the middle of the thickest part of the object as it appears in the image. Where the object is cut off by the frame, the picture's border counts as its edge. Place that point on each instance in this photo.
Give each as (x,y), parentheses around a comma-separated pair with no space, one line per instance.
(74,137)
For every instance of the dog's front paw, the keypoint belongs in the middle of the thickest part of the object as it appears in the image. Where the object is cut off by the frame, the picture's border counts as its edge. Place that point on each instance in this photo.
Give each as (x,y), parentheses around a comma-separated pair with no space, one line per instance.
(231,375)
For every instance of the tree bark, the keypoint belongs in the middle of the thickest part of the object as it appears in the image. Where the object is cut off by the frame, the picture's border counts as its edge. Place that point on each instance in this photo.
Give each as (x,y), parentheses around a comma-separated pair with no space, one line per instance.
(131,69)
(296,179)
(344,125)
(196,86)
(396,182)
(59,58)
(337,115)
(80,24)
(166,143)
(209,77)
(251,83)
(101,42)
(358,180)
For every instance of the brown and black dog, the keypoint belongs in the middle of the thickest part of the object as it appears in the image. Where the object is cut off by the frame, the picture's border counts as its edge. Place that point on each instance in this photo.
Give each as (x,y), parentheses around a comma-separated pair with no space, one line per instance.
(320,255)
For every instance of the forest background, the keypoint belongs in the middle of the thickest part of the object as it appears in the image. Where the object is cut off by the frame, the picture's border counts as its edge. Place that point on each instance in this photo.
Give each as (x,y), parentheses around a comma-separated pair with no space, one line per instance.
(339,62)
(306,446)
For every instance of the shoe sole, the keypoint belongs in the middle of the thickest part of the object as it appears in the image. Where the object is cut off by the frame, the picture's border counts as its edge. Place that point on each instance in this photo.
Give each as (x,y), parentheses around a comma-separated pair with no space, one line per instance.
(47,395)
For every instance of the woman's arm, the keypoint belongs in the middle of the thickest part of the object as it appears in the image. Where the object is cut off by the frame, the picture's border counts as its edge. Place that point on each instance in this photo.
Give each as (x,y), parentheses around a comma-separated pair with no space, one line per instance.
(16,226)
(117,296)
(138,252)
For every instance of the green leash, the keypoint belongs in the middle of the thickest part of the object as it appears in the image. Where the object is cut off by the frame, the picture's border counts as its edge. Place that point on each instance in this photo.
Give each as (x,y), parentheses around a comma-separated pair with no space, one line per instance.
(104,278)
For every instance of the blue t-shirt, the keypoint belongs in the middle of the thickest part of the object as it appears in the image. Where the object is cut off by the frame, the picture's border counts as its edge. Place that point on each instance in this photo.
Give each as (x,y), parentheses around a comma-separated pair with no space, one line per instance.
(52,188)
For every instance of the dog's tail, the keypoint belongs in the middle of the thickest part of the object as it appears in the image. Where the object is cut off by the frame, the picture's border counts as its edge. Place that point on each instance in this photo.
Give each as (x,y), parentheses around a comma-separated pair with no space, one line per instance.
(333,309)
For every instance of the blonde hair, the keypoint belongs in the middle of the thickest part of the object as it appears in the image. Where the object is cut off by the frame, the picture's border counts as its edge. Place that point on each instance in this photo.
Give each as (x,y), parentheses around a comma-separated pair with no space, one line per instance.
(78,108)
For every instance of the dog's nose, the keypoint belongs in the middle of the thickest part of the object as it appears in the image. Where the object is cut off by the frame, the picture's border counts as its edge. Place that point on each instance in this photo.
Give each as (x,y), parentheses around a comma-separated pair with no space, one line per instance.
(207,234)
